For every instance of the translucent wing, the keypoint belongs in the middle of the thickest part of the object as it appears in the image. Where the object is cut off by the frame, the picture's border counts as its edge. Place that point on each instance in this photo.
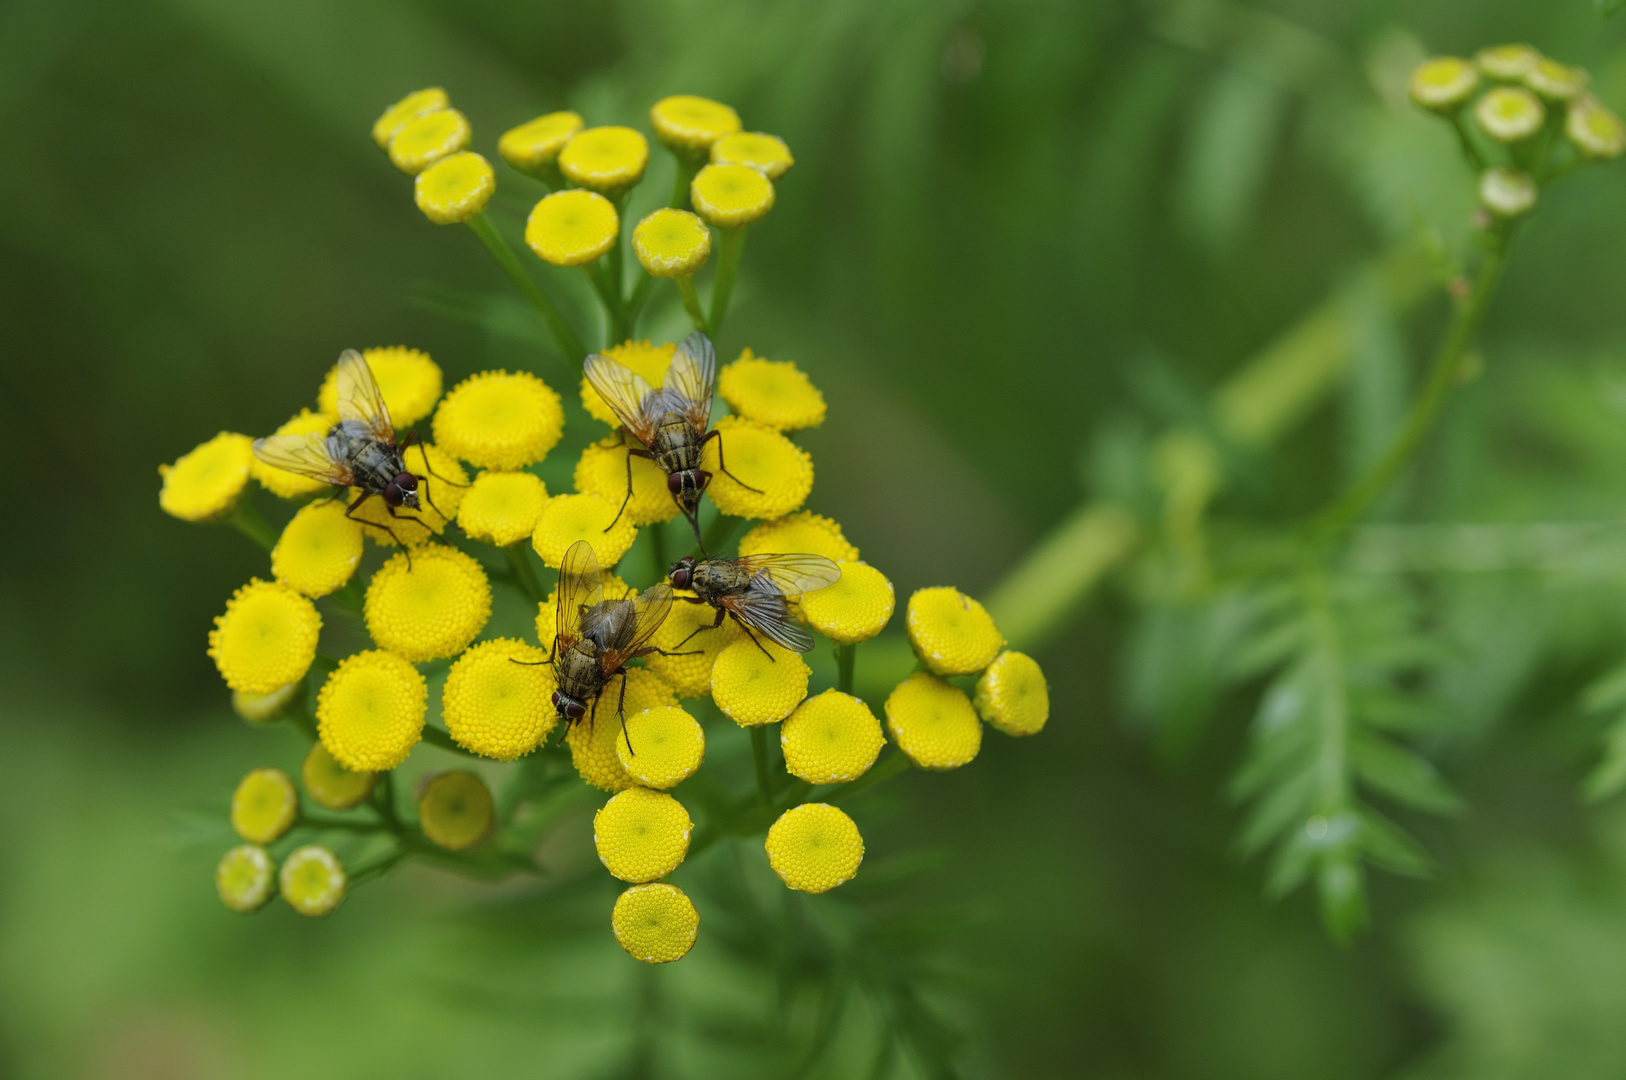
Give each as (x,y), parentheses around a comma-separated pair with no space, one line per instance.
(307,455)
(645,613)
(794,574)
(626,391)
(360,398)
(688,383)
(580,584)
(762,607)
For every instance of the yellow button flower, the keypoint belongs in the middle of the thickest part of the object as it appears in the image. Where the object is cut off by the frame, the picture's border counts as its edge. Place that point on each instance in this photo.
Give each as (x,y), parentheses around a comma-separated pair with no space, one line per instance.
(266,639)
(605,159)
(572,228)
(318,550)
(690,675)
(428,137)
(731,196)
(1507,192)
(767,154)
(370,711)
(667,744)
(264,806)
(535,144)
(1509,114)
(685,123)
(602,471)
(546,611)
(1507,61)
(1443,82)
(803,532)
(650,361)
(455,811)
(830,739)
(762,458)
(455,188)
(429,607)
(414,104)
(502,507)
(814,847)
(1555,81)
(243,878)
(204,485)
(641,834)
(569,518)
(330,784)
(264,708)
(671,243)
(952,633)
(1012,695)
(500,421)
(1597,131)
(753,688)
(655,923)
(409,380)
(498,708)
(592,741)
(313,880)
(774,393)
(932,722)
(442,484)
(855,608)
(281,482)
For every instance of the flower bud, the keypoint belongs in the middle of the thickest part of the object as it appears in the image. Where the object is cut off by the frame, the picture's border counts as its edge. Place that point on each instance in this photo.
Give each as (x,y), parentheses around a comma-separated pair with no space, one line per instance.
(264,805)
(671,243)
(428,137)
(535,144)
(414,104)
(264,708)
(686,124)
(1555,81)
(572,228)
(605,159)
(455,810)
(312,880)
(1507,61)
(1509,114)
(1507,192)
(1443,83)
(1596,131)
(455,188)
(767,154)
(243,878)
(731,196)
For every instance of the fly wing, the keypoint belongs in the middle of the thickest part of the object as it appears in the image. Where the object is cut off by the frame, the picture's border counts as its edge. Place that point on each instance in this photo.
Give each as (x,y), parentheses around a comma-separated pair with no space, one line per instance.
(761,606)
(792,573)
(307,455)
(688,383)
(360,397)
(626,391)
(644,615)
(580,585)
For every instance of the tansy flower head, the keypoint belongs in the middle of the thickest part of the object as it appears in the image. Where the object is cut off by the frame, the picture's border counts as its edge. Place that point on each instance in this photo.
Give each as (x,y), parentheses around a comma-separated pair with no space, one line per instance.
(243,878)
(455,811)
(1507,192)
(1592,127)
(1012,695)
(500,421)
(671,243)
(830,739)
(1443,83)
(1555,81)
(932,722)
(264,708)
(266,639)
(455,188)
(655,923)
(814,847)
(803,532)
(414,104)
(650,361)
(330,784)
(370,711)
(282,482)
(687,124)
(409,380)
(767,154)
(605,159)
(547,612)
(592,741)
(428,605)
(641,834)
(668,742)
(318,550)
(774,393)
(502,507)
(761,458)
(1509,114)
(690,675)
(312,880)
(754,687)
(602,471)
(731,196)
(952,633)
(428,137)
(855,608)
(441,486)
(1506,61)
(264,805)
(204,485)
(572,228)
(569,518)
(535,144)
(498,708)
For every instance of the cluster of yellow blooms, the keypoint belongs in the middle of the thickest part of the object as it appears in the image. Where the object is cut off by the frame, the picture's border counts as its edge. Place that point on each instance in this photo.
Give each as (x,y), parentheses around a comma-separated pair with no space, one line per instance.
(428,604)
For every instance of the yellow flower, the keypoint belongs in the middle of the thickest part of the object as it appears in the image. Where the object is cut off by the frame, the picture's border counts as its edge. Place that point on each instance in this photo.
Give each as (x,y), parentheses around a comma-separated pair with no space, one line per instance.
(455,811)
(1592,127)
(855,608)
(814,847)
(547,610)
(313,880)
(502,507)
(409,380)
(204,485)
(572,228)
(281,482)
(641,834)
(731,196)
(952,633)
(650,361)
(414,104)
(569,518)
(500,421)
(593,741)
(1443,82)
(602,471)
(332,785)
(667,744)
(830,739)
(671,243)
(1509,114)
(753,688)
(370,711)
(535,144)
(1012,695)
(243,878)
(426,138)
(1507,61)
(932,722)
(264,708)
(605,159)
(1555,81)
(774,393)
(655,923)
(685,123)
(781,471)
(767,154)
(266,639)
(429,607)
(803,532)
(1507,192)
(498,708)
(264,806)
(690,675)
(442,484)
(318,550)
(455,188)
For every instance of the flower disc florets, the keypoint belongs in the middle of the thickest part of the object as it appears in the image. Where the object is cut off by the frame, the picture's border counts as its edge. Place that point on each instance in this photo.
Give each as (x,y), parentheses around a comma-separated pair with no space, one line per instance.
(282,482)
(535,144)
(1555,81)
(762,458)
(496,707)
(441,486)
(774,393)
(804,532)
(330,784)
(655,923)
(313,880)
(686,124)
(455,188)
(428,137)
(455,811)
(642,834)
(243,878)
(409,380)
(830,739)
(266,639)
(642,358)
(414,104)
(951,633)
(855,608)
(1506,61)
(569,518)
(1443,83)
(1013,696)
(205,484)
(667,745)
(572,228)
(318,550)
(592,741)
(932,722)
(1509,114)
(605,159)
(1597,131)
(731,196)
(429,604)
(602,471)
(500,421)
(502,507)
(690,675)
(767,154)
(671,243)
(264,806)
(814,847)
(755,685)
(370,711)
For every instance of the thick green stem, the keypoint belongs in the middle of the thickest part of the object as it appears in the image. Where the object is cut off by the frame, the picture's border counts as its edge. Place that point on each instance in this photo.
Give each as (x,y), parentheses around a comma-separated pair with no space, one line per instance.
(845,656)
(524,573)
(434,736)
(686,168)
(885,769)
(615,330)
(640,296)
(376,866)
(759,757)
(657,550)
(322,821)
(691,300)
(730,246)
(568,342)
(246,519)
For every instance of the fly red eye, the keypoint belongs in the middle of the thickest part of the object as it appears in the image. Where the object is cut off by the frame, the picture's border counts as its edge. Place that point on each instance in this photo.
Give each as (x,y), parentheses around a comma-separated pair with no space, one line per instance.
(674,483)
(556,697)
(680,578)
(575,710)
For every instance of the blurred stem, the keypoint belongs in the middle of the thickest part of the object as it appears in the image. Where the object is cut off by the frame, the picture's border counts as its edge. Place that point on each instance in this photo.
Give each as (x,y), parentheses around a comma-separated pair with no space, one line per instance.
(434,736)
(563,335)
(721,530)
(686,168)
(1465,140)
(1039,592)
(246,519)
(378,865)
(845,656)
(657,549)
(885,769)
(350,597)
(322,821)
(524,573)
(730,246)
(691,300)
(759,757)
(615,329)
(640,297)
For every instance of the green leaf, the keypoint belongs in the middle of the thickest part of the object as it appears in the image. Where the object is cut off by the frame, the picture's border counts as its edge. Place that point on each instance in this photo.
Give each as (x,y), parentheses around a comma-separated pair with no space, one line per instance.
(1609,776)
(1609,690)
(1402,775)
(1390,847)
(1341,884)
(1610,7)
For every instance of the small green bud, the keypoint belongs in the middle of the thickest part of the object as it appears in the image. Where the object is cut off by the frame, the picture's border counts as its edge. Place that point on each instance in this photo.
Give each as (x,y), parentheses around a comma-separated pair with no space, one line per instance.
(330,784)
(264,805)
(243,878)
(312,880)
(1507,61)
(455,810)
(1443,83)
(1596,131)
(1509,114)
(264,708)
(1555,81)
(1507,192)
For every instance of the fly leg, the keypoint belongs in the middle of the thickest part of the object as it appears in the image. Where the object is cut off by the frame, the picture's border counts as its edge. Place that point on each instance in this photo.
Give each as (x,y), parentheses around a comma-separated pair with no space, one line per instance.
(537,663)
(631,452)
(621,711)
(350,512)
(757,643)
(722,613)
(413,434)
(721,467)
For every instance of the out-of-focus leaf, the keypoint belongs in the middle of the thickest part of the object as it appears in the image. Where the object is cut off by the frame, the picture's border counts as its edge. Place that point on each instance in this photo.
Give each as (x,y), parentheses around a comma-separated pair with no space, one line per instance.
(1402,775)
(1229,149)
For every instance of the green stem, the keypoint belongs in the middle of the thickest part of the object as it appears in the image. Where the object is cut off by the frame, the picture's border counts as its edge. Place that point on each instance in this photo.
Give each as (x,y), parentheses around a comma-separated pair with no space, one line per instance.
(730,245)
(883,770)
(1465,140)
(245,518)
(686,168)
(721,530)
(691,300)
(657,550)
(640,296)
(615,330)
(379,865)
(435,736)
(759,757)
(524,573)
(845,656)
(322,821)
(568,342)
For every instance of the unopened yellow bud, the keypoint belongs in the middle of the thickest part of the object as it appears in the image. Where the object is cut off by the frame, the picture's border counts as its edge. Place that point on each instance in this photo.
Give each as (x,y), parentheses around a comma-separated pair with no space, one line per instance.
(932,722)
(414,104)
(455,188)
(456,811)
(428,137)
(1555,81)
(264,806)
(243,878)
(605,159)
(264,708)
(330,784)
(313,880)
(1507,61)
(1013,696)
(1509,114)
(731,196)
(1507,192)
(572,228)
(535,144)
(1443,83)
(671,243)
(687,124)
(1594,129)
(767,154)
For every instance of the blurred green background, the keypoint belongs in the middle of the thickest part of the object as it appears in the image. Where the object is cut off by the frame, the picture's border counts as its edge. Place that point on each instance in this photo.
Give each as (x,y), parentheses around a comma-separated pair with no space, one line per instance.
(1021,236)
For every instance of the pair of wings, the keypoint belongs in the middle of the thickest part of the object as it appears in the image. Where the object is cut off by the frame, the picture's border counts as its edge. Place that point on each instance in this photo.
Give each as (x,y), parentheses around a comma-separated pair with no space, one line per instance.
(685,390)
(361,406)
(618,627)
(761,605)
